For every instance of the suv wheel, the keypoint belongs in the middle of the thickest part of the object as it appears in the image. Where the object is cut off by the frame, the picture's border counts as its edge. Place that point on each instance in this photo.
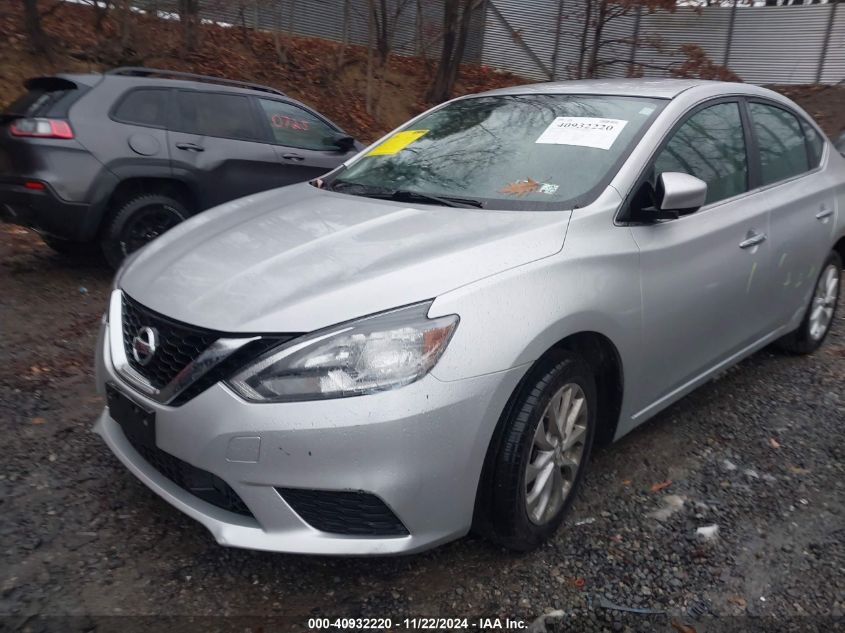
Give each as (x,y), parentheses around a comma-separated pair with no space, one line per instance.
(819,315)
(139,221)
(543,452)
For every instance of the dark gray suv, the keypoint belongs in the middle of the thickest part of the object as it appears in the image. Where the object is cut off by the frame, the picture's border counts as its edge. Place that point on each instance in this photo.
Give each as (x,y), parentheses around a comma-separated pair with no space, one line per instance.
(121,157)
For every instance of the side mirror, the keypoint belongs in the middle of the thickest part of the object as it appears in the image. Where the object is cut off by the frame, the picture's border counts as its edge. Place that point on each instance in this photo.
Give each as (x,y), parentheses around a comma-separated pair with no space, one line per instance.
(678,194)
(343,142)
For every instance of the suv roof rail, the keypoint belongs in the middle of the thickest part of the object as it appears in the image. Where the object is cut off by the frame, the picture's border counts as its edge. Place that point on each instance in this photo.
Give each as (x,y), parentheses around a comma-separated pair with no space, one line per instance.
(140,71)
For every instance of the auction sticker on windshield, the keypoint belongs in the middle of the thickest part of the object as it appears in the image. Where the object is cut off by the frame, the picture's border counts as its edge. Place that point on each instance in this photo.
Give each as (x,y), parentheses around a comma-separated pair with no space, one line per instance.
(583,131)
(396,143)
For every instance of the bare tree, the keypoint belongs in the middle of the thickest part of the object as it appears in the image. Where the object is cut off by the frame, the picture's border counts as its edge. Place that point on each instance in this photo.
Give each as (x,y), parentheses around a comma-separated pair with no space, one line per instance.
(457,15)
(598,15)
(32,23)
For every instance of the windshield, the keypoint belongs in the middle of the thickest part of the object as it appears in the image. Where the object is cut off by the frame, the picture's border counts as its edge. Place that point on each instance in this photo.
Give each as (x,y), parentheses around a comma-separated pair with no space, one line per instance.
(506,152)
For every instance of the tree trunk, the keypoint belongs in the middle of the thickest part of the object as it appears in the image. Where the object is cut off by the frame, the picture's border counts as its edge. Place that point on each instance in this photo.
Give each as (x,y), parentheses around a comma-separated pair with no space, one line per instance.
(588,14)
(281,50)
(189,16)
(452,50)
(460,47)
(102,10)
(370,44)
(344,36)
(124,27)
(601,18)
(32,23)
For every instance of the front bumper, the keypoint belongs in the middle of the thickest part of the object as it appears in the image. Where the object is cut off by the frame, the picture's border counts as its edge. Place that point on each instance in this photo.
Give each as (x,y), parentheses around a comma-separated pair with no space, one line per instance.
(419,449)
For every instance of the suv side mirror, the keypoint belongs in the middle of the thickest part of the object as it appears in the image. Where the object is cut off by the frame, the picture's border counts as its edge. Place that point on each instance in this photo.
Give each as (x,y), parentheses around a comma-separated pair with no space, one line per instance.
(343,142)
(677,194)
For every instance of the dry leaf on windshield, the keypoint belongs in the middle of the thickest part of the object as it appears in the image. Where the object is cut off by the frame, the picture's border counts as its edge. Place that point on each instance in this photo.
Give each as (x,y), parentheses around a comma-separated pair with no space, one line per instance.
(660,485)
(521,187)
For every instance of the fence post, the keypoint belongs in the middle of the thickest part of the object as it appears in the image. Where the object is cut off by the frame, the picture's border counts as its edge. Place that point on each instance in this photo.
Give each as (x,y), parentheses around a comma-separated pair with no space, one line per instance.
(832,6)
(730,35)
(635,40)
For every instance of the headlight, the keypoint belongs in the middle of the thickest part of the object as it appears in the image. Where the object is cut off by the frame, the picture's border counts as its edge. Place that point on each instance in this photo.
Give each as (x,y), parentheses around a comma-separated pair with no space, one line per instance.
(376,353)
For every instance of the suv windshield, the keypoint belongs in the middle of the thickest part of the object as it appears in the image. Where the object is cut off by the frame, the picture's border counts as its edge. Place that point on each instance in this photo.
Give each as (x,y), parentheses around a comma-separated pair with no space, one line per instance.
(527,152)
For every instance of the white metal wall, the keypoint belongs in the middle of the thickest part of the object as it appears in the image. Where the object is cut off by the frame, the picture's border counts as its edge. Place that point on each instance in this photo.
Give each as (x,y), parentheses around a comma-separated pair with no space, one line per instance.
(325,19)
(767,45)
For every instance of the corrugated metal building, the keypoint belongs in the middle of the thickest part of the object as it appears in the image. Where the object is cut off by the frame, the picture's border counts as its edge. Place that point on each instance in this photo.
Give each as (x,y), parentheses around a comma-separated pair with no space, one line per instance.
(788,44)
(541,39)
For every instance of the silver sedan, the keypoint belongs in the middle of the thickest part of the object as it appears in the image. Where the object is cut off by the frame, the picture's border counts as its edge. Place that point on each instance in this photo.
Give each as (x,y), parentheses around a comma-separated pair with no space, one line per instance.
(432,337)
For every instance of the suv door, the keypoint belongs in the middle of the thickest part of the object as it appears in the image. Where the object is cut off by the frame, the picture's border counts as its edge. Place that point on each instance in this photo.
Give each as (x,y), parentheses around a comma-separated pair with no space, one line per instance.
(704,276)
(801,200)
(216,143)
(305,143)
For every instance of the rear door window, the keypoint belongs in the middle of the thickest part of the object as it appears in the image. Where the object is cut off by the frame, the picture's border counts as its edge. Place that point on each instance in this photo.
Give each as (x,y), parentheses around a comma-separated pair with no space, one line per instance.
(216,114)
(710,145)
(143,107)
(295,127)
(780,139)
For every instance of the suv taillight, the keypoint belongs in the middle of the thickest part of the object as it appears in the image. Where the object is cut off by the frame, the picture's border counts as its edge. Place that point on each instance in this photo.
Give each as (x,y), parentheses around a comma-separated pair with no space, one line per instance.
(41,128)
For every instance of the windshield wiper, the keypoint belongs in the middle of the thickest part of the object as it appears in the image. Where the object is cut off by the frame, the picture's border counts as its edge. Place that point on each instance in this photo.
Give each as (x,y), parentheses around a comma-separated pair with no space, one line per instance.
(446,201)
(381,193)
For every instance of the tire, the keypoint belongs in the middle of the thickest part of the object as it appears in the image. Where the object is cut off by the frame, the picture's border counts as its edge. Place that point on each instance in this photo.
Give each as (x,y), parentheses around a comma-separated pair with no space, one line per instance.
(70,248)
(139,221)
(808,337)
(515,518)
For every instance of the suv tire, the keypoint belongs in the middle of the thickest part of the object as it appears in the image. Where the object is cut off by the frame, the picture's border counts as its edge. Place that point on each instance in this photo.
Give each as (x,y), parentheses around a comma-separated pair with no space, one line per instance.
(140,220)
(812,332)
(532,451)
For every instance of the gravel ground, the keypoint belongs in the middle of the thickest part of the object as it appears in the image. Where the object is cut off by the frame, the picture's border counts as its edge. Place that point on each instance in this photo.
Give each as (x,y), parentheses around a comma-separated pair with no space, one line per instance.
(757,452)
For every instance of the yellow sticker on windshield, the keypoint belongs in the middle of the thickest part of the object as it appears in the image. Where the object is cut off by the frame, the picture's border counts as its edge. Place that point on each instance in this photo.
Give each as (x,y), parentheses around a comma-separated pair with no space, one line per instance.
(396,143)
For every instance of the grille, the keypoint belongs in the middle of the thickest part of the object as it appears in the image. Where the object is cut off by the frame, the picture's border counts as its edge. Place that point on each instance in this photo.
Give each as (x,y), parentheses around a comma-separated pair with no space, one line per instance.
(344,512)
(179,344)
(200,483)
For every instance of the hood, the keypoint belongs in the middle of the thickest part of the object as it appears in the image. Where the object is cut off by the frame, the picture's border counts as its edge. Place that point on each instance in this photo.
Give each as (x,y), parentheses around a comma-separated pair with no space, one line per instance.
(299,258)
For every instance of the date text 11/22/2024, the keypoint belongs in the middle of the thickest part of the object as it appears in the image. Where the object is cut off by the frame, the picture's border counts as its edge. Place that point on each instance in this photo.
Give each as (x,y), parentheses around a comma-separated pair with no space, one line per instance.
(421,624)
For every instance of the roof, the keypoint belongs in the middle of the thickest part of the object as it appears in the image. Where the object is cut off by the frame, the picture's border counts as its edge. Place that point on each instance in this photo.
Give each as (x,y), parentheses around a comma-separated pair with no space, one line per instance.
(658,88)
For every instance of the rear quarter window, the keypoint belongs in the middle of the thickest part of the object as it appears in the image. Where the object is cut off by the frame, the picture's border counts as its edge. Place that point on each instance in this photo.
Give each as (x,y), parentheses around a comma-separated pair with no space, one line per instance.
(143,106)
(780,141)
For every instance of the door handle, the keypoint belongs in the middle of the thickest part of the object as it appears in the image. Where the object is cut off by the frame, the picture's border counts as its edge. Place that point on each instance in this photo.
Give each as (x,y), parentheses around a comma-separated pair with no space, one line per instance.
(191,147)
(753,240)
(824,213)
(293,156)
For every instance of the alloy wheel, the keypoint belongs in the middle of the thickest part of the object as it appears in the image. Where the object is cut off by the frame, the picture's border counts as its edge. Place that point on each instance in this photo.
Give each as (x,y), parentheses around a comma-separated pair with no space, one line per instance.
(824,302)
(556,453)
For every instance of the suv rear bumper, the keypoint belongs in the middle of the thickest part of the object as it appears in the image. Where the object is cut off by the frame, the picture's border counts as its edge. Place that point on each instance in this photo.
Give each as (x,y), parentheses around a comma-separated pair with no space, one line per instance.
(44,211)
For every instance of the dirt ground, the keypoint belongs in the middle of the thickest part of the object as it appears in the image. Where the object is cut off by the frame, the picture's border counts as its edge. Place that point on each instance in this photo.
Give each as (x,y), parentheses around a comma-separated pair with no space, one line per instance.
(758,452)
